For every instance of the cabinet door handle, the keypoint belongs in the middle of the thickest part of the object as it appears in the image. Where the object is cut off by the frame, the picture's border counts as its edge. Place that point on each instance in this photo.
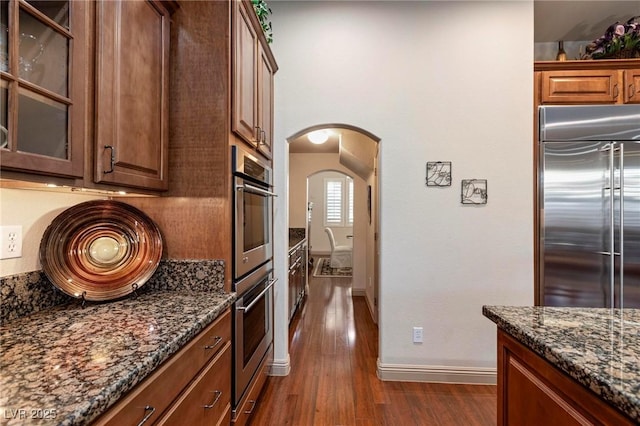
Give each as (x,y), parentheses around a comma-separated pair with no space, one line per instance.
(632,90)
(258,134)
(615,91)
(218,394)
(264,137)
(146,417)
(113,159)
(253,405)
(217,339)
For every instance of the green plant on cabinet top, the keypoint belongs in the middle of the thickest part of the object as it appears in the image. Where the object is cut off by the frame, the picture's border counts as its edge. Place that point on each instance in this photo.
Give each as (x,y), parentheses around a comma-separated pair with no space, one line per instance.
(263,11)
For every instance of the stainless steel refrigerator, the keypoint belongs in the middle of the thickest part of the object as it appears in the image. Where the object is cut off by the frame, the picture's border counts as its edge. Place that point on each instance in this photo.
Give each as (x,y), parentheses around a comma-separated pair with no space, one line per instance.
(589,200)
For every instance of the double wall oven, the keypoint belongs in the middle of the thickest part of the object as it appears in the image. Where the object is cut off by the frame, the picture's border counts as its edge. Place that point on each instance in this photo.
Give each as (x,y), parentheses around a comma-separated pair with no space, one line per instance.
(252,270)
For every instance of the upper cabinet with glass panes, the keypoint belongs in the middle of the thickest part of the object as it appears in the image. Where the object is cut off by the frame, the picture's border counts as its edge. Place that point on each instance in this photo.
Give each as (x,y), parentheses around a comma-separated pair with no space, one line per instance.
(43,86)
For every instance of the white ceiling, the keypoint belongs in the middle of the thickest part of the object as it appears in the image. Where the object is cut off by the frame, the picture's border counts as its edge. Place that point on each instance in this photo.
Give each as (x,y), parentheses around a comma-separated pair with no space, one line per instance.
(579,20)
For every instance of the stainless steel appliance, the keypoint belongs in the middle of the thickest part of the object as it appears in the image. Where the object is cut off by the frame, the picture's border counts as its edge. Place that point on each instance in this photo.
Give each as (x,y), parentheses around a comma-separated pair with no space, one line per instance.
(253,205)
(589,198)
(252,327)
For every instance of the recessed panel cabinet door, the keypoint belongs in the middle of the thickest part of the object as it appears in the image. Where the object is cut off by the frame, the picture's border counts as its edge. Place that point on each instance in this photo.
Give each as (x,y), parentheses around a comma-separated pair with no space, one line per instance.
(265,103)
(131,93)
(244,120)
(632,86)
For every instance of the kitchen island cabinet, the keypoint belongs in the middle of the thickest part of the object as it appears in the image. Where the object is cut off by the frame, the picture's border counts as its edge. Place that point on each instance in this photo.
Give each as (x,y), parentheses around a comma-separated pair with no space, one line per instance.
(567,365)
(138,355)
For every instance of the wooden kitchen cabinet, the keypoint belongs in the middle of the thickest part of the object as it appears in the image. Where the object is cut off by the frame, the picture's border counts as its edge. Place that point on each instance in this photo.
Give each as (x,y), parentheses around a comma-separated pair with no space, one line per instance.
(588,82)
(533,392)
(132,93)
(252,80)
(100,127)
(297,276)
(44,87)
(580,87)
(632,86)
(198,375)
(208,398)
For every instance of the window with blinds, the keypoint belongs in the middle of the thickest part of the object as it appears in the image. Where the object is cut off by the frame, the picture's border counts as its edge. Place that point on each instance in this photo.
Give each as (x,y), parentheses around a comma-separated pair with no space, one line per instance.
(338,198)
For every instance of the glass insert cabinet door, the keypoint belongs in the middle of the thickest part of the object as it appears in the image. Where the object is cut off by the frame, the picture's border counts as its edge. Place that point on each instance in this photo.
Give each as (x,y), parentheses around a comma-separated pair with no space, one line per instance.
(43,86)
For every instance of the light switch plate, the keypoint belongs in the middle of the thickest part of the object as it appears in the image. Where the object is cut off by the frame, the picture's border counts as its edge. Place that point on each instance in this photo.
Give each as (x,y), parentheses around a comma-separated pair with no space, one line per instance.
(10,241)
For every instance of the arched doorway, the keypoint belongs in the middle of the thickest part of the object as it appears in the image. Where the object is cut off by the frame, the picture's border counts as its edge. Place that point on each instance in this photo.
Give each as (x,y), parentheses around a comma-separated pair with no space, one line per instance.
(354,152)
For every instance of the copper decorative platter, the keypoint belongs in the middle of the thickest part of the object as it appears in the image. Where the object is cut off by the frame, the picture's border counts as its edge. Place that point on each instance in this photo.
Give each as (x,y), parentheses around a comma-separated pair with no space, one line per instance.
(100,250)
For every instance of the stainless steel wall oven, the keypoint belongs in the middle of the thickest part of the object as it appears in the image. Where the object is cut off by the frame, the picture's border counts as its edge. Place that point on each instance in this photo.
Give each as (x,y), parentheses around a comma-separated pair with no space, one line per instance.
(253,205)
(252,272)
(253,327)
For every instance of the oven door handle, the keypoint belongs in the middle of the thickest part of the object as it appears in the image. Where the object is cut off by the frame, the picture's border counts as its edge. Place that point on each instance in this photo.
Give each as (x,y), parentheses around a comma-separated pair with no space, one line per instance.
(267,288)
(255,189)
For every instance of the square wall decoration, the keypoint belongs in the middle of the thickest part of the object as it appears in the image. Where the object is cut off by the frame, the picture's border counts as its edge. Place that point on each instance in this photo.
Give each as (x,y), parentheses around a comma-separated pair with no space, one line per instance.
(474,191)
(439,173)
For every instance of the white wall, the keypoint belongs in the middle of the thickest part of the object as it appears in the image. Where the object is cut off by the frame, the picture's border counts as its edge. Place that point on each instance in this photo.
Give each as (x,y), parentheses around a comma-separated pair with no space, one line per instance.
(34,210)
(435,81)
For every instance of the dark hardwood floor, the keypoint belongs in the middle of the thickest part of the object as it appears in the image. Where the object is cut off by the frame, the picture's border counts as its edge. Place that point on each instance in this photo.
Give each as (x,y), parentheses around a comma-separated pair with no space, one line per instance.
(333,349)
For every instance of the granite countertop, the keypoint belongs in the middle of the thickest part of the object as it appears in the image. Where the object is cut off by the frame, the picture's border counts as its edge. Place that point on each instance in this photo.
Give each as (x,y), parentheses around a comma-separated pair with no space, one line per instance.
(69,364)
(296,236)
(599,348)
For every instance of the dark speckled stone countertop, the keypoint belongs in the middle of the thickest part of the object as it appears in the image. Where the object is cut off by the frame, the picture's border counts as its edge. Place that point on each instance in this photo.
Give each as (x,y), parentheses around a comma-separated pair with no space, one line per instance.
(599,348)
(296,236)
(77,362)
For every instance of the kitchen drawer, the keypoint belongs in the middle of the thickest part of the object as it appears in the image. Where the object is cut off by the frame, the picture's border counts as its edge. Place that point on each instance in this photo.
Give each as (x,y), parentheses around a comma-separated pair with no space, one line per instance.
(158,391)
(250,400)
(206,399)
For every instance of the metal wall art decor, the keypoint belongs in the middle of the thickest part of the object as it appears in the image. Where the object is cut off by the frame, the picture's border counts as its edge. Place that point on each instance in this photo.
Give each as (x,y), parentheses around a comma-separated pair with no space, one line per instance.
(439,173)
(474,191)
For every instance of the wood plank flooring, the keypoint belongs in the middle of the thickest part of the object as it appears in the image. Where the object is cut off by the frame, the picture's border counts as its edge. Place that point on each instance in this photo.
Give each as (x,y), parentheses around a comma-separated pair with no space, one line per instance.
(333,349)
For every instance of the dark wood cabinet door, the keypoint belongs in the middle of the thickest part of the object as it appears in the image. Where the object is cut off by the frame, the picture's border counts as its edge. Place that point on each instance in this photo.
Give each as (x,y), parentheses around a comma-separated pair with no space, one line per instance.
(244,117)
(533,392)
(265,103)
(132,86)
(43,87)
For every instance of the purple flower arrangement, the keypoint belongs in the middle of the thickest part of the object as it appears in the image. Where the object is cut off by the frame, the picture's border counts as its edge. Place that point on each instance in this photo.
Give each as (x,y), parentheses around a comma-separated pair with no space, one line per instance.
(619,41)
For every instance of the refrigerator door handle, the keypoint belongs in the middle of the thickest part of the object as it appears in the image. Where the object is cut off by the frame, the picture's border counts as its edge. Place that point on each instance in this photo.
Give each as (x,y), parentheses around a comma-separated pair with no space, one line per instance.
(612,241)
(621,178)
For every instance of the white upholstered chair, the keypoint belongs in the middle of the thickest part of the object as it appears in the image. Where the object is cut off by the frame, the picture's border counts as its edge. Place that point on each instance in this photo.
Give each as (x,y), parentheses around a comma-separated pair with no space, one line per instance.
(340,255)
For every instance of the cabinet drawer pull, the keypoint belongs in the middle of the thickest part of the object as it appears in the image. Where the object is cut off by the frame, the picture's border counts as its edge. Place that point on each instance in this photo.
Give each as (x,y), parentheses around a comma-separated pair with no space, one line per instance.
(632,90)
(113,159)
(217,339)
(218,394)
(615,91)
(253,405)
(146,417)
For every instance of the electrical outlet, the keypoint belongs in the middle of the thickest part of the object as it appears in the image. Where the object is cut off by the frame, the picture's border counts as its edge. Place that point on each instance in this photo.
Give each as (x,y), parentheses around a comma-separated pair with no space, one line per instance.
(417,334)
(10,241)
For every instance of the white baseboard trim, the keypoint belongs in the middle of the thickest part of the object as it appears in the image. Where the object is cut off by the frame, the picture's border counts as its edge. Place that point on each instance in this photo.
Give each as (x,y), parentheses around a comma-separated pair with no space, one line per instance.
(436,374)
(280,367)
(358,292)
